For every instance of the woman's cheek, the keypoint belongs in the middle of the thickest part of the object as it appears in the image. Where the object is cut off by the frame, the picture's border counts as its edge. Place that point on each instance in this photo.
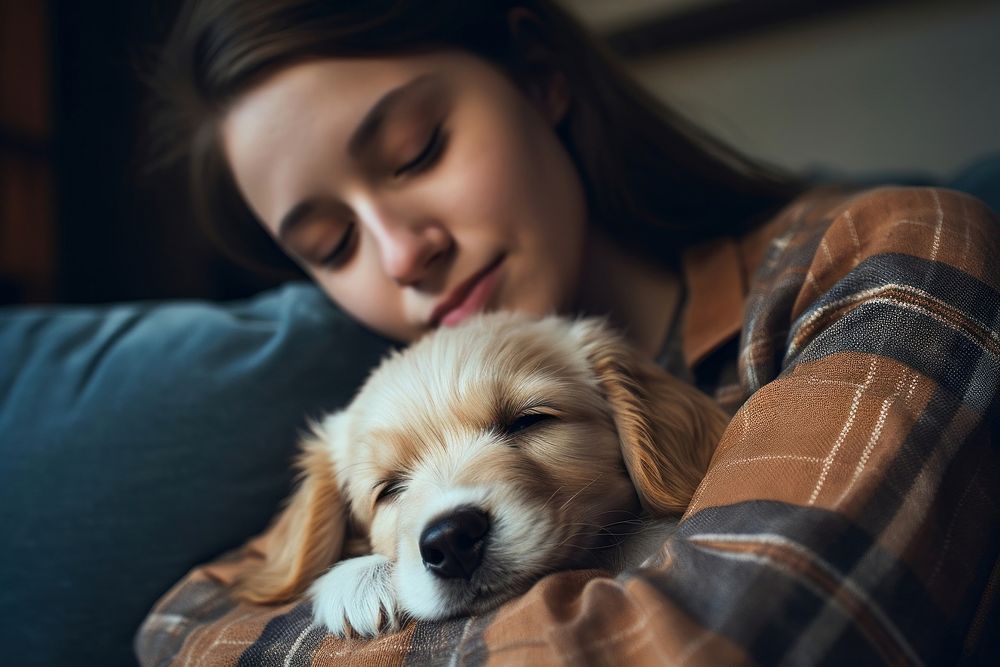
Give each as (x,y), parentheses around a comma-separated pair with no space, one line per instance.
(367,297)
(475,190)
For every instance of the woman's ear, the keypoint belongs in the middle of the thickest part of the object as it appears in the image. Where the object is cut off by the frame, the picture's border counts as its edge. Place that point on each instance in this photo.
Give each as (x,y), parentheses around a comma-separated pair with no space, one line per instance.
(534,66)
(306,538)
(668,430)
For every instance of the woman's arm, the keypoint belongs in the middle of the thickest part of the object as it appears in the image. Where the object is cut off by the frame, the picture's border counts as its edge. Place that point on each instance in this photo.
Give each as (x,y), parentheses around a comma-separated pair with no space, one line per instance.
(850,512)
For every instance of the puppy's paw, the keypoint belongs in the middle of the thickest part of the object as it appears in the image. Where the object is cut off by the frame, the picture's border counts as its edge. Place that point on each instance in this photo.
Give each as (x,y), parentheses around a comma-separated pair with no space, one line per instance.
(356,597)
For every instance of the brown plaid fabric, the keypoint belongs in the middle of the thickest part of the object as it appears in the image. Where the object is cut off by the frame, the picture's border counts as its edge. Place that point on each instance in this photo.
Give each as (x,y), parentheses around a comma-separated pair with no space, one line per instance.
(850,514)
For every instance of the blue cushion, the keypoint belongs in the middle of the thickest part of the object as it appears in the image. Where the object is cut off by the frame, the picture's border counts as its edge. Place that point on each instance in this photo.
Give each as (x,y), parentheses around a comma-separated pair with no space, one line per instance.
(139,440)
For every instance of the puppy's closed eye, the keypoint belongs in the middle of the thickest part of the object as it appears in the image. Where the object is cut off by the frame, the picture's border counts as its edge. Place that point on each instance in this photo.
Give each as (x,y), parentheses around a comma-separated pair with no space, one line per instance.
(526,421)
(389,489)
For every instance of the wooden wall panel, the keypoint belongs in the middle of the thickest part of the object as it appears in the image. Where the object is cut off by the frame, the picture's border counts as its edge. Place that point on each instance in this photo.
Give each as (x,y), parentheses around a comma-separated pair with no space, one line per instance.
(27,231)
(24,68)
(27,237)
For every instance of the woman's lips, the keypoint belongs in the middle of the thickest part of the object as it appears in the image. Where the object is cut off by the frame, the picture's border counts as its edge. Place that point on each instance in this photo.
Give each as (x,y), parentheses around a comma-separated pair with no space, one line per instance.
(469,298)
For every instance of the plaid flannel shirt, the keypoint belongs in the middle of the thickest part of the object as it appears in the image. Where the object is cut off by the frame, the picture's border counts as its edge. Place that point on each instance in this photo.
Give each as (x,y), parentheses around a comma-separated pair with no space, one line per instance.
(849,516)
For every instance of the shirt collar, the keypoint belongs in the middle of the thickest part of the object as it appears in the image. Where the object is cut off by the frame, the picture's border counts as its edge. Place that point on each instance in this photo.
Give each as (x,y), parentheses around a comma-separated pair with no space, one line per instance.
(716,284)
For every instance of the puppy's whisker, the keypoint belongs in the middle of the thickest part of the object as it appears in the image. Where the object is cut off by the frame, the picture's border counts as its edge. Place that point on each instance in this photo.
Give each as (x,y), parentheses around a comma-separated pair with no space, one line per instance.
(636,522)
(603,529)
(575,535)
(619,512)
(567,539)
(615,522)
(626,533)
(582,523)
(546,504)
(582,489)
(577,548)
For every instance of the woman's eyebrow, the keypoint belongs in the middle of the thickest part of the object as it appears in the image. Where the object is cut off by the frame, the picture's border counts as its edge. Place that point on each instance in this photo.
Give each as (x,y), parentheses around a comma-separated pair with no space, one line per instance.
(306,209)
(299,212)
(371,124)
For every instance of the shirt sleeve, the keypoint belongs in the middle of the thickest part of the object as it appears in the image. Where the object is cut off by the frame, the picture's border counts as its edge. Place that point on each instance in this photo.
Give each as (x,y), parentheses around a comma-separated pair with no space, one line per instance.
(852,502)
(850,513)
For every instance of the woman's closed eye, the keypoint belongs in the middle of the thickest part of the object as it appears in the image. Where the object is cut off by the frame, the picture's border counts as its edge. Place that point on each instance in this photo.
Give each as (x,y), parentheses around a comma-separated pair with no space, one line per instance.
(424,159)
(341,250)
(427,156)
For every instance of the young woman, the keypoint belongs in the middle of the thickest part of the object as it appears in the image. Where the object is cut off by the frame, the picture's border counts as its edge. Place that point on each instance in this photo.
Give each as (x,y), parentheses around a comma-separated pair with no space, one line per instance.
(424,161)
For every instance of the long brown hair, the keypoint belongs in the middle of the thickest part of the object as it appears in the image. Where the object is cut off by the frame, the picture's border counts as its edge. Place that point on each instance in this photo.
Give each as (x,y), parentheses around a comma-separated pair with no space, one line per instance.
(656,181)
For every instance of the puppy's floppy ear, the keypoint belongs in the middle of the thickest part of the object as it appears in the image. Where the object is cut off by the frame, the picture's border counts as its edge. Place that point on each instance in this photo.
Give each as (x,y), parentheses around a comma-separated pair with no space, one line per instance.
(306,538)
(668,429)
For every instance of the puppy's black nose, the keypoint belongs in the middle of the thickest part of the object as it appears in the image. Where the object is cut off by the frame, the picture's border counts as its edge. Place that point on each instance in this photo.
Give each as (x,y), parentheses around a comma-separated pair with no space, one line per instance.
(452,545)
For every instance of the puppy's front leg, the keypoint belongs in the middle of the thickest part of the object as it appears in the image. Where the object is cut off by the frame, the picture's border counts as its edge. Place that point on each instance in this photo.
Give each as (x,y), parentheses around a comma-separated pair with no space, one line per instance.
(356,595)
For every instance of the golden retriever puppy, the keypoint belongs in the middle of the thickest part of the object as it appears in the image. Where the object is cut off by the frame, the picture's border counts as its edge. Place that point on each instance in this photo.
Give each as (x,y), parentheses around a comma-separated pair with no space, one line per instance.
(476,461)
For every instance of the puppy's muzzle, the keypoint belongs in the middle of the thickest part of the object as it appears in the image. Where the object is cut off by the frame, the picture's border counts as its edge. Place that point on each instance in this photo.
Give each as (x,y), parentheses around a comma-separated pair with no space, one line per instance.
(452,545)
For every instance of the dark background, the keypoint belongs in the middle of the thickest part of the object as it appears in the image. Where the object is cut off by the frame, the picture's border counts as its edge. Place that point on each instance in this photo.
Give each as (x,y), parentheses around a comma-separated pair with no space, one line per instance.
(124,232)
(83,219)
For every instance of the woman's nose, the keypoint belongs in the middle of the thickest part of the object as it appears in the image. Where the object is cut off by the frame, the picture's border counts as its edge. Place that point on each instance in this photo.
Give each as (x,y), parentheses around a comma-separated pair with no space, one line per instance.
(408,249)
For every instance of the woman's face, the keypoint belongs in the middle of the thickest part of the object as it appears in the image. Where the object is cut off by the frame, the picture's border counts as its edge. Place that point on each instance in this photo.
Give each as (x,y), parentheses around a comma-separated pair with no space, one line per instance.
(415,190)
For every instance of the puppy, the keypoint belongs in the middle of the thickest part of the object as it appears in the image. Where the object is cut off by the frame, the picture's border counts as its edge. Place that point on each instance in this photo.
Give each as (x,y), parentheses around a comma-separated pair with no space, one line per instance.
(476,461)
